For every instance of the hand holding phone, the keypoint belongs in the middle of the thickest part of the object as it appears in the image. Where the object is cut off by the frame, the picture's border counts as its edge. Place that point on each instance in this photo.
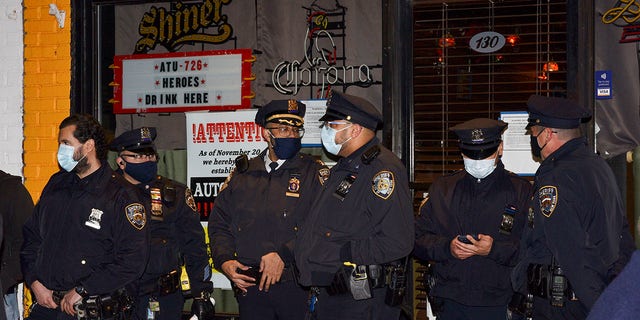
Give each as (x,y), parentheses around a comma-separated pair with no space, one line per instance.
(463,238)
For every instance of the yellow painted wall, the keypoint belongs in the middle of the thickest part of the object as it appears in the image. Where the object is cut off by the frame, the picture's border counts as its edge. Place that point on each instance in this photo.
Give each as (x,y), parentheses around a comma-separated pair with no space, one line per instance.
(47,88)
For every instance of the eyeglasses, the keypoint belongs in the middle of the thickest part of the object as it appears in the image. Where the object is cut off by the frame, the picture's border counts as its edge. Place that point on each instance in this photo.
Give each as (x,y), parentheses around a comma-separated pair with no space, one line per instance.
(138,157)
(333,124)
(286,131)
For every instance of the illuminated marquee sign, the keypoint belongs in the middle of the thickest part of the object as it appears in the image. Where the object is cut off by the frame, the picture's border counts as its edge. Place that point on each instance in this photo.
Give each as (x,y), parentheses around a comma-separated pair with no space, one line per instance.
(182,81)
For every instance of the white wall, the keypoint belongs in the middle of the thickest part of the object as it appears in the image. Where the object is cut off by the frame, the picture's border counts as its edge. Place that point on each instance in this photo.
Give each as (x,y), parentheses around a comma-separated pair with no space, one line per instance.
(11,86)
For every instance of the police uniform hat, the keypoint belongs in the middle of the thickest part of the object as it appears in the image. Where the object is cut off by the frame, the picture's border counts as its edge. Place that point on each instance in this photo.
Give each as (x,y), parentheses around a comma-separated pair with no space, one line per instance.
(553,112)
(288,112)
(341,106)
(480,137)
(136,140)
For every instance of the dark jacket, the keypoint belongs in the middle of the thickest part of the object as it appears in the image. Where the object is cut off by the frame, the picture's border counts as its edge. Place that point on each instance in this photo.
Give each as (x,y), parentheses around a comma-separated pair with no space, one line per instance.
(578,218)
(88,232)
(363,215)
(459,204)
(260,212)
(16,206)
(176,236)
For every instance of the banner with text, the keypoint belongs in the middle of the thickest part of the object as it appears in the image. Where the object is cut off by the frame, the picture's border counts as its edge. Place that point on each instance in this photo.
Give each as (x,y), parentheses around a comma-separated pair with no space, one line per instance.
(214,141)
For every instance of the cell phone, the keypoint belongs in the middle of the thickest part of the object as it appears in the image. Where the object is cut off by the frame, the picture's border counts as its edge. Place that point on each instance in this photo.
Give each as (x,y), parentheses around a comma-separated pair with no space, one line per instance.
(463,238)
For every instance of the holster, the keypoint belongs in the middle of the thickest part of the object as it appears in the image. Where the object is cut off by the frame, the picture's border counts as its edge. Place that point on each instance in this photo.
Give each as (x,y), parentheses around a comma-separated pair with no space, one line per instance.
(355,280)
(168,283)
(105,307)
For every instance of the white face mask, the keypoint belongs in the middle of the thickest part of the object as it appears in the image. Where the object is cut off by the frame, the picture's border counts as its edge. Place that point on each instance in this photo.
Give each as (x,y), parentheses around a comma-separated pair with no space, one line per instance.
(65,157)
(328,137)
(479,169)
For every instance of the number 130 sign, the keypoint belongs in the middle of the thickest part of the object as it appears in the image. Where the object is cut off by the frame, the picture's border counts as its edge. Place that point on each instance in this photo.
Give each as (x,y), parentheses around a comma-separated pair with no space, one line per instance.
(487,42)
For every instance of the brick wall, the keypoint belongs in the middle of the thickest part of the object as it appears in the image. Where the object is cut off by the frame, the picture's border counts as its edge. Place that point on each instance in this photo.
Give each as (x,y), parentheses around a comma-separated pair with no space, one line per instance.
(11,134)
(47,87)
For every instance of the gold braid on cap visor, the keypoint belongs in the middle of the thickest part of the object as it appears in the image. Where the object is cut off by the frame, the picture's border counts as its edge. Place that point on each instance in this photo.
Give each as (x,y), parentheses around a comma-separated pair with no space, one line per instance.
(288,119)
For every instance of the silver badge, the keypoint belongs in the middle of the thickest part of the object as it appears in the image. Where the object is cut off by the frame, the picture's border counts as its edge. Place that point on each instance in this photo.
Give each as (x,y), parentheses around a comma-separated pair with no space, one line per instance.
(94,219)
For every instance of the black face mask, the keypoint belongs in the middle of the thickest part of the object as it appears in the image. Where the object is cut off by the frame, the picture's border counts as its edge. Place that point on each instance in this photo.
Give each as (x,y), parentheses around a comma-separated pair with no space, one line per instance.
(536,150)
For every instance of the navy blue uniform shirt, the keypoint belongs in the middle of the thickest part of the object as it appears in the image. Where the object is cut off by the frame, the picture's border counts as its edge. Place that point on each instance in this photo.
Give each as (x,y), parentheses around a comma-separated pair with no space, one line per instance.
(89,232)
(372,223)
(459,204)
(260,212)
(176,235)
(578,218)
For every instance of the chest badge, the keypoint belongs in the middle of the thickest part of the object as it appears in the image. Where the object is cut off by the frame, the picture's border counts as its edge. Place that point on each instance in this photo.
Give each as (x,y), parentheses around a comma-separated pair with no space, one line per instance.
(383,184)
(94,219)
(293,189)
(548,200)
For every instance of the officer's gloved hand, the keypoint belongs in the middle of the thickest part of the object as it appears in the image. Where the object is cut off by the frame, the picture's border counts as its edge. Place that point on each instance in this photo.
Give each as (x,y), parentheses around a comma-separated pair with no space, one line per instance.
(202,307)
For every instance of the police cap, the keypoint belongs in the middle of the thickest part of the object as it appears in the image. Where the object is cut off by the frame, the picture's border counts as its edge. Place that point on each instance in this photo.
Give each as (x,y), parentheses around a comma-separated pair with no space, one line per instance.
(480,137)
(288,112)
(341,106)
(553,112)
(135,140)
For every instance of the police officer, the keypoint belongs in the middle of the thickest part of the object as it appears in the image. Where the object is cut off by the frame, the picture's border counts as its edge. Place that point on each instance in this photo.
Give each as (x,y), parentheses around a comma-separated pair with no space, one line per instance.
(470,225)
(361,223)
(16,206)
(177,237)
(256,215)
(576,239)
(87,238)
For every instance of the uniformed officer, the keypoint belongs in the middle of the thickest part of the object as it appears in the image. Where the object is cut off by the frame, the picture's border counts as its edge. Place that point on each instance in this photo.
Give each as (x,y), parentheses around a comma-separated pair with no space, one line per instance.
(256,216)
(469,227)
(577,238)
(87,238)
(177,237)
(361,223)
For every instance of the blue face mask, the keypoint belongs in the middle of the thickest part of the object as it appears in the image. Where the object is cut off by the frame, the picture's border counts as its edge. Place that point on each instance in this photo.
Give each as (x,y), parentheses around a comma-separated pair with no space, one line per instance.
(286,148)
(328,137)
(65,157)
(144,172)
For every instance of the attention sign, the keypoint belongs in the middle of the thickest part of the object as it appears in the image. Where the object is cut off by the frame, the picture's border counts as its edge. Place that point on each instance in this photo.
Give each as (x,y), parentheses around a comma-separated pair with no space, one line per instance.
(182,81)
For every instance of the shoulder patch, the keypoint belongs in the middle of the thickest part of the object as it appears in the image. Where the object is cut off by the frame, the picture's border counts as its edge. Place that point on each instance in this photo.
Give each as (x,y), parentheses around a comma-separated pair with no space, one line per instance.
(548,200)
(382,184)
(188,199)
(136,215)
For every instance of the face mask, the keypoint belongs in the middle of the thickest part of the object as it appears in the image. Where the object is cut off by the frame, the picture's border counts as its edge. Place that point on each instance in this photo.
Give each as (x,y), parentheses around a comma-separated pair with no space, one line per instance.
(536,150)
(328,137)
(143,172)
(286,148)
(479,169)
(65,157)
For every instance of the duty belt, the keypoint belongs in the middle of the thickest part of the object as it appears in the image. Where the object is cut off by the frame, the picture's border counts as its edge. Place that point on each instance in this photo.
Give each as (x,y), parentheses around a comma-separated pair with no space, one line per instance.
(100,307)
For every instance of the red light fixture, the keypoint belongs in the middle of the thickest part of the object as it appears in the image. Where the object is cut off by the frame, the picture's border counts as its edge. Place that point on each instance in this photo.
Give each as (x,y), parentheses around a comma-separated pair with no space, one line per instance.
(447,41)
(550,66)
(513,40)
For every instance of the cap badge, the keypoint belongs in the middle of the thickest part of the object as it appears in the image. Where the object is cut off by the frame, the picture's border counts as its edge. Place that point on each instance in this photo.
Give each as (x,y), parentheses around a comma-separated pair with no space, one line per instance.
(477,135)
(145,134)
(293,106)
